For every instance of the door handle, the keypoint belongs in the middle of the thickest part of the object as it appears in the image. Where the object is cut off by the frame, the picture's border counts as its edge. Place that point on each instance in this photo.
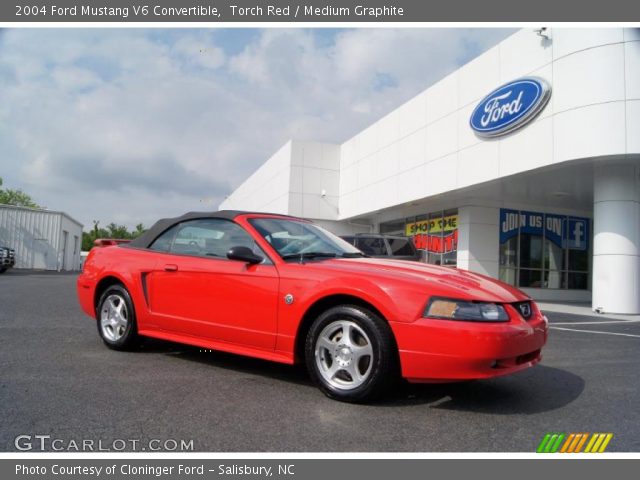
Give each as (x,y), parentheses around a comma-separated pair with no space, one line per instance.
(170,268)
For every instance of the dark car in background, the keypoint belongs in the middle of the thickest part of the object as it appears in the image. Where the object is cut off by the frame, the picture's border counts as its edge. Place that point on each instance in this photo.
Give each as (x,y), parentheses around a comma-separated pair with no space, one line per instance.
(7,258)
(384,246)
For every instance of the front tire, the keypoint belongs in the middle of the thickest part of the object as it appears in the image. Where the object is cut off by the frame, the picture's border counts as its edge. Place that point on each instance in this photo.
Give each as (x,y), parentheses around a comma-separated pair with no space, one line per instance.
(351,354)
(116,318)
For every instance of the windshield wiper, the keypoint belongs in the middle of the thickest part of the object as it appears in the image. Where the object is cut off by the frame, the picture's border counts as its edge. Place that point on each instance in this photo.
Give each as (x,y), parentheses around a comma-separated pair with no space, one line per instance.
(305,255)
(353,255)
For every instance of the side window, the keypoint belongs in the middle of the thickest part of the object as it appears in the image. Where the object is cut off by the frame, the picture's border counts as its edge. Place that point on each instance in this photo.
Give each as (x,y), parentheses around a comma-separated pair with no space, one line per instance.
(163,242)
(401,246)
(209,237)
(351,240)
(371,246)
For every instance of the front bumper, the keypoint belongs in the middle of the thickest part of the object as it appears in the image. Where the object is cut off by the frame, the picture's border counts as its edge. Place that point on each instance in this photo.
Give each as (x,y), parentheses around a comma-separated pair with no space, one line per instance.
(7,258)
(448,350)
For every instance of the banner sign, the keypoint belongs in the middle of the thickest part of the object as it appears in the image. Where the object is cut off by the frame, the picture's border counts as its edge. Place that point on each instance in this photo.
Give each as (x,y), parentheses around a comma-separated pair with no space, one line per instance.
(435,235)
(565,231)
(433,225)
(437,243)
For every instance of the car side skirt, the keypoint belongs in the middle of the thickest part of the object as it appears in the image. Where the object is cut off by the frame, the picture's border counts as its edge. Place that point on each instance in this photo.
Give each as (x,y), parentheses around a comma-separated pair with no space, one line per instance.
(208,344)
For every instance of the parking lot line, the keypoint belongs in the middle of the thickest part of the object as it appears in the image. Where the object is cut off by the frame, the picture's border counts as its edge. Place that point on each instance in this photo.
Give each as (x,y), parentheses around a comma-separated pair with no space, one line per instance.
(594,331)
(596,323)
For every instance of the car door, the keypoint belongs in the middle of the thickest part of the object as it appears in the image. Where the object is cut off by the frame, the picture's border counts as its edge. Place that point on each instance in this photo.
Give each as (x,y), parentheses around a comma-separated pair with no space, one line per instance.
(195,290)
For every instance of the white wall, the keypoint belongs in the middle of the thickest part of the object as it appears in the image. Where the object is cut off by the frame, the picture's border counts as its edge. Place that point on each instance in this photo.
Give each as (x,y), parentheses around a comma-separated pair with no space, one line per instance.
(36,236)
(300,179)
(315,173)
(426,147)
(267,189)
(343,228)
(71,260)
(478,239)
(616,244)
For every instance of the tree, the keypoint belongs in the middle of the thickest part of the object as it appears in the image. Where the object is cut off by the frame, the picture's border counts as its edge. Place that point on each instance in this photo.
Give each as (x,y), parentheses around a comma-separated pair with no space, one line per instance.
(16,197)
(140,229)
(113,230)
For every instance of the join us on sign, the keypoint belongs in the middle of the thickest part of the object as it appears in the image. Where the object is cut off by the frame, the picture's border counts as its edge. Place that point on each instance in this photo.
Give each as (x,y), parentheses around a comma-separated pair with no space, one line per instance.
(565,231)
(516,220)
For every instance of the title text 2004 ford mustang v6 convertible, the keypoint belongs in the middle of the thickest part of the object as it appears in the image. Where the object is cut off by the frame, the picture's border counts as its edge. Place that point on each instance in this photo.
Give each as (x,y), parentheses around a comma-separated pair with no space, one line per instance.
(283,289)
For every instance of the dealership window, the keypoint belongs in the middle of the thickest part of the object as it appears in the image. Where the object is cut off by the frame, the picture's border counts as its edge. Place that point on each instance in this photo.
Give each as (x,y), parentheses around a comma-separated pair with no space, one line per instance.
(544,250)
(435,234)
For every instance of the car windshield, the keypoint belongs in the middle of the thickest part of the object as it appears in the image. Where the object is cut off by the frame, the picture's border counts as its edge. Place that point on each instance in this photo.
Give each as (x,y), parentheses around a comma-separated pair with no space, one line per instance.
(298,240)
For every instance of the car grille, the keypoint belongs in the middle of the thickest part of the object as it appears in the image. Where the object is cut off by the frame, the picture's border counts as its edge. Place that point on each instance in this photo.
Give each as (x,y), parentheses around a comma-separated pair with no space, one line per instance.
(525,309)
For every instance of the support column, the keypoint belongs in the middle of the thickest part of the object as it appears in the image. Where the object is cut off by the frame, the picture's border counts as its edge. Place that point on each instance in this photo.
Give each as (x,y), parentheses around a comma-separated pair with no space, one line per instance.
(616,242)
(478,237)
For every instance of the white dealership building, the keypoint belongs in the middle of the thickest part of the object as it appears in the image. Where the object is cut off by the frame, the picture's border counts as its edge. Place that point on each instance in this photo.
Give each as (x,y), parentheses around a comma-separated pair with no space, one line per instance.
(524,165)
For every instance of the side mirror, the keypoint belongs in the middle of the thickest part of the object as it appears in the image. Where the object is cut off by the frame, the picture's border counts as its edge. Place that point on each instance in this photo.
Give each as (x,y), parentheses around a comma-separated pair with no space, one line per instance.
(244,254)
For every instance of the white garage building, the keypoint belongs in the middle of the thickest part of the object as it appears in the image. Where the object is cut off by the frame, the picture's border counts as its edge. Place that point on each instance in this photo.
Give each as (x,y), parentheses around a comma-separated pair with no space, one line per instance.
(42,239)
(523,165)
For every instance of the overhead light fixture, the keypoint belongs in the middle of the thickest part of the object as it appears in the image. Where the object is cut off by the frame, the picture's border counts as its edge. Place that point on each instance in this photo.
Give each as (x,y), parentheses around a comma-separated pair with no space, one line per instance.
(542,32)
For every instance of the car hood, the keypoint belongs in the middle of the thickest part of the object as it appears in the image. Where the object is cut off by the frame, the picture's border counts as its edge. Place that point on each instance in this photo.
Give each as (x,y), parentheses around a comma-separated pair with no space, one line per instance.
(442,280)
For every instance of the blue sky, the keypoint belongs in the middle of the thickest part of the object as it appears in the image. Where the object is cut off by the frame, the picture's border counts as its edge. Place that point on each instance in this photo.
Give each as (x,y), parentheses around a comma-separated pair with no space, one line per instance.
(129,125)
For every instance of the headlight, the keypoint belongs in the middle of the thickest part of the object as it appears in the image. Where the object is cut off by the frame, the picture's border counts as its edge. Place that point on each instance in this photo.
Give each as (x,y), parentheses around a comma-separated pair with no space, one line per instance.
(446,308)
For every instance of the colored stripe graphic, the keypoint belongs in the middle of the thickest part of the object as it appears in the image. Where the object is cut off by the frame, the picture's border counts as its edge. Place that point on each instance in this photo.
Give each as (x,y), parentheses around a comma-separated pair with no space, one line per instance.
(556,445)
(604,445)
(581,443)
(573,442)
(543,443)
(599,443)
(568,442)
(591,442)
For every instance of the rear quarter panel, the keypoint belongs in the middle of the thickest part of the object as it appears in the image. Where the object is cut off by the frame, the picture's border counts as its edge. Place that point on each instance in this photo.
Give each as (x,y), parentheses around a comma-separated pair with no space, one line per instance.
(124,264)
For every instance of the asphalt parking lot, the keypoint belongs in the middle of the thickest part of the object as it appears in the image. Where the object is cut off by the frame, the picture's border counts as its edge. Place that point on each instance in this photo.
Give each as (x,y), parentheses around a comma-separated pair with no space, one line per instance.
(57,378)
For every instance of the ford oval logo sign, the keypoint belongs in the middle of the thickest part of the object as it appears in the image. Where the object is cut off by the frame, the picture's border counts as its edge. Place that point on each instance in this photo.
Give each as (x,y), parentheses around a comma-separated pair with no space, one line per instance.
(510,107)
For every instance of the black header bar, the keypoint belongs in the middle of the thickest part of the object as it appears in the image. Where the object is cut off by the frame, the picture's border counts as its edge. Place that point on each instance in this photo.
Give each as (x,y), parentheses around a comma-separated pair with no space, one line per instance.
(302,11)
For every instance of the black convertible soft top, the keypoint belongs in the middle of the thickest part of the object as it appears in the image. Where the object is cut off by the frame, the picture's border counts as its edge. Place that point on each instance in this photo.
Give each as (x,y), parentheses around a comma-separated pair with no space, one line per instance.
(147,238)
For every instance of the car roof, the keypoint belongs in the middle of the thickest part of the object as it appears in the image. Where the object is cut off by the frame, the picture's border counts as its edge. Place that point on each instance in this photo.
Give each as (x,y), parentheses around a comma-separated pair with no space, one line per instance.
(145,240)
(376,235)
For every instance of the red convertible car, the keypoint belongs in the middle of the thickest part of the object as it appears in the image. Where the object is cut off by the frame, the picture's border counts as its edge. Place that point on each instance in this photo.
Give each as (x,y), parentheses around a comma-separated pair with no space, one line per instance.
(283,289)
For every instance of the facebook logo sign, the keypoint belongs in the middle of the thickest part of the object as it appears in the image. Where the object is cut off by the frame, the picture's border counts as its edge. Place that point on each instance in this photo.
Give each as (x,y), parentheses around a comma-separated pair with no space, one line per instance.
(577,232)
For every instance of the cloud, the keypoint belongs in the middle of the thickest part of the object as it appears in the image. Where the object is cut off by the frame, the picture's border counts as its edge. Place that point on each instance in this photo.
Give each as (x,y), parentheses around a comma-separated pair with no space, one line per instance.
(129,125)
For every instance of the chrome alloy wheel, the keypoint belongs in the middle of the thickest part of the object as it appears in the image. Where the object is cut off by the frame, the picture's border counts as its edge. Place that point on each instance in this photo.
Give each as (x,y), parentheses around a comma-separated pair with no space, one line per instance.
(344,355)
(114,317)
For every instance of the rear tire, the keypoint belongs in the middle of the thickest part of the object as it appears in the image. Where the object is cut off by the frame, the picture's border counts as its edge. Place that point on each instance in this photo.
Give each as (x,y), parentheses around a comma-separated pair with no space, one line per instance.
(116,319)
(351,355)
